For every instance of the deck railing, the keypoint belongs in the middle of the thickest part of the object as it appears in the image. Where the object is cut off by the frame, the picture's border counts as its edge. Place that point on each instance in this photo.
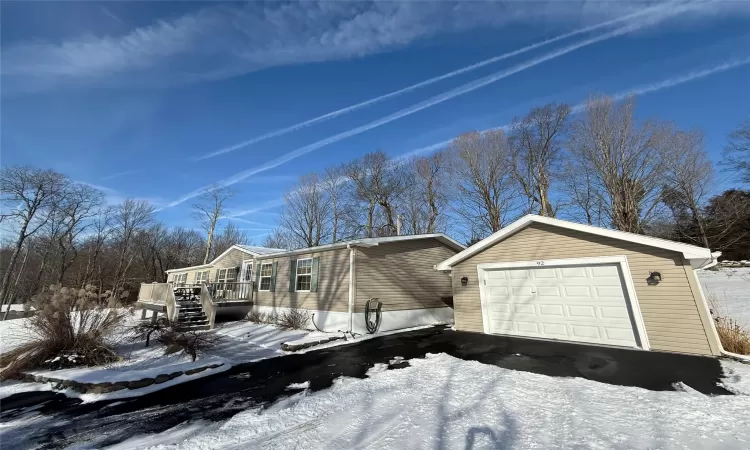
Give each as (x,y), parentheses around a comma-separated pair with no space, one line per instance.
(223,291)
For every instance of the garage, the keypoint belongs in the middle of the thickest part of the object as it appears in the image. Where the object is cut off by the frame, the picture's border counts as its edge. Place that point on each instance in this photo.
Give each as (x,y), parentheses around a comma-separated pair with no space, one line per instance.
(560,300)
(556,280)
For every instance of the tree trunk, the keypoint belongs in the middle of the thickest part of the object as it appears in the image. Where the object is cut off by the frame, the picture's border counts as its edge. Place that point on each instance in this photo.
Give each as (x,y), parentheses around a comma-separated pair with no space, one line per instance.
(9,270)
(209,243)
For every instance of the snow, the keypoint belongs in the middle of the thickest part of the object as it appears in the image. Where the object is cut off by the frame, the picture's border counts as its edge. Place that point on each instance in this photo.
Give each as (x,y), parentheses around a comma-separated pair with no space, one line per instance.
(239,342)
(305,385)
(737,377)
(14,307)
(444,402)
(727,291)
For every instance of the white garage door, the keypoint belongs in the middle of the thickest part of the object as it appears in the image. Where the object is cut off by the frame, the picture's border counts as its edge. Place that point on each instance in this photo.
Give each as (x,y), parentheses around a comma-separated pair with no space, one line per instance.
(575,303)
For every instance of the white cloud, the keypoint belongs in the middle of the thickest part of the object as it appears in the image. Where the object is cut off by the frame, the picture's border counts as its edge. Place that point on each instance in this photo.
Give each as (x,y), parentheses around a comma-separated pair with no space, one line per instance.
(221,40)
(421,84)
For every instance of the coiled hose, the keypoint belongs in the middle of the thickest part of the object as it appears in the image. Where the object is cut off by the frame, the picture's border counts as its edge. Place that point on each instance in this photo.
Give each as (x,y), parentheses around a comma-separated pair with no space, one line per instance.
(373,315)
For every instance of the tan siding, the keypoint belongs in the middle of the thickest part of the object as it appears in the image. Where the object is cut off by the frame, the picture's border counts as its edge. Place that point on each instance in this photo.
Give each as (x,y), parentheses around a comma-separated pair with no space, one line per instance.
(232,259)
(402,275)
(660,304)
(333,283)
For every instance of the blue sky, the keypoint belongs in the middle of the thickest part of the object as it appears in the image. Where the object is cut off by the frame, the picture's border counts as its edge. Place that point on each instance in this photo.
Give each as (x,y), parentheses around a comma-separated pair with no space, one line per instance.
(137,97)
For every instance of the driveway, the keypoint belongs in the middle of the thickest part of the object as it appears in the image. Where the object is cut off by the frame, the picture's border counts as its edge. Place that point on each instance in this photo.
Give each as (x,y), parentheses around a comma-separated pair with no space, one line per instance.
(55,421)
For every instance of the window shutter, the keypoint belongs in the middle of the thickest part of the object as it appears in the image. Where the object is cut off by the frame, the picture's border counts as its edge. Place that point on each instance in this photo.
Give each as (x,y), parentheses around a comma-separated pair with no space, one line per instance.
(314,276)
(273,277)
(257,276)
(292,275)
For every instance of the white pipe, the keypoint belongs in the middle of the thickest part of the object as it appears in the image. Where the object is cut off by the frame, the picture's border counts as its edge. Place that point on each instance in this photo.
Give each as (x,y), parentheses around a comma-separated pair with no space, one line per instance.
(352,289)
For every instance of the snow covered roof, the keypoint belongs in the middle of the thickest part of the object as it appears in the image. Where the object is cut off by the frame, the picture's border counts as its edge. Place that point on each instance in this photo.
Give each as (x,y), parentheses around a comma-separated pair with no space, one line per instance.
(699,257)
(372,242)
(260,250)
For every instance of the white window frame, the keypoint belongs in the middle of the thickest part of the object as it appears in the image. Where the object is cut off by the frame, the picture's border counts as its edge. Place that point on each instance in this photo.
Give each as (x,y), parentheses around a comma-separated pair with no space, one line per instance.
(297,274)
(261,276)
(202,276)
(180,278)
(245,277)
(621,260)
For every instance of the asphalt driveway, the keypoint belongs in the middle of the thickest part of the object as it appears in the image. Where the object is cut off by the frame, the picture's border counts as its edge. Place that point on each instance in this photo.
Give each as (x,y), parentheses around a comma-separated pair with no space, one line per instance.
(217,398)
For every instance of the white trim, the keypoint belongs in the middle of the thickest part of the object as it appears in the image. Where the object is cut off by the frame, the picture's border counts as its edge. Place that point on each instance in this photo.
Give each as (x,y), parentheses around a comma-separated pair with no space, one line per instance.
(368,242)
(698,256)
(707,310)
(297,274)
(352,285)
(243,250)
(260,277)
(189,268)
(626,275)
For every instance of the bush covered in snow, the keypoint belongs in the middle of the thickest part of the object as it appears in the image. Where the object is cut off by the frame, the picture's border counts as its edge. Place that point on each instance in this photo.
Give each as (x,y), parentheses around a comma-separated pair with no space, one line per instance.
(72,327)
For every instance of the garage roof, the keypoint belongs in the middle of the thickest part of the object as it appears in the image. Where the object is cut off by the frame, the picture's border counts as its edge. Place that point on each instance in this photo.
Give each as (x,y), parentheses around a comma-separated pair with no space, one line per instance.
(699,257)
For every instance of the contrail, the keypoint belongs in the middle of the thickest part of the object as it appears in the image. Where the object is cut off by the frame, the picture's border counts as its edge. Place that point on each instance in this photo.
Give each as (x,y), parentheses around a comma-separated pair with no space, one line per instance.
(468,87)
(421,84)
(638,90)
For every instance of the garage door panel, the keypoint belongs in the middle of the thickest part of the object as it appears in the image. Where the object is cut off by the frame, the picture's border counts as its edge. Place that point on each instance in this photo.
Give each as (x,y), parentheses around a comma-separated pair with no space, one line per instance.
(573,272)
(552,310)
(585,332)
(559,330)
(582,311)
(580,303)
(577,291)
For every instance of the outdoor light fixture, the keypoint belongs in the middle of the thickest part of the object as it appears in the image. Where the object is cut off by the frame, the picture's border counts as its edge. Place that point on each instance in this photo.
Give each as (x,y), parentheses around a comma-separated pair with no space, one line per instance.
(464,281)
(653,278)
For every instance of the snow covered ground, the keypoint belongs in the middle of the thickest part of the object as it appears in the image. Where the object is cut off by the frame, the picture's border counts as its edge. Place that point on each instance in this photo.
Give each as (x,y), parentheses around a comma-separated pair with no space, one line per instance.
(239,342)
(444,402)
(728,292)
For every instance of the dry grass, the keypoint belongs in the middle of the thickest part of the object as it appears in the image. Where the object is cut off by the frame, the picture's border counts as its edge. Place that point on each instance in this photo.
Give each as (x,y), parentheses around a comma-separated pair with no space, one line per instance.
(735,338)
(72,327)
(256,316)
(294,319)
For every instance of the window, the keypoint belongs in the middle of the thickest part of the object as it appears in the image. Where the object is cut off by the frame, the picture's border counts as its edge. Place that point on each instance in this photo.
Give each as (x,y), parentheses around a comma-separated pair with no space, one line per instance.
(248,273)
(227,276)
(201,277)
(180,279)
(304,275)
(266,273)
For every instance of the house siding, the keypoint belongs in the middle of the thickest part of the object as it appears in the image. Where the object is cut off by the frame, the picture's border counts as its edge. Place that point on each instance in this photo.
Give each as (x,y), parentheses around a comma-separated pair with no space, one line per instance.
(402,275)
(333,283)
(232,259)
(672,311)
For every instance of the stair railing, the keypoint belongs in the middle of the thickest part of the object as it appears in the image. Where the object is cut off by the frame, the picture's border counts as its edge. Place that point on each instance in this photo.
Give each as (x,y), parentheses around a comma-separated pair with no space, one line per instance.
(209,307)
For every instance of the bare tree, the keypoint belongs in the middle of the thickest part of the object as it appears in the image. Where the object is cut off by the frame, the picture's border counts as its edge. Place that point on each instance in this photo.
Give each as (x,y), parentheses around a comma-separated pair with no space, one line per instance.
(379,183)
(426,197)
(128,219)
(280,238)
(77,205)
(737,152)
(306,210)
(627,160)
(484,176)
(230,235)
(28,196)
(688,182)
(584,198)
(535,143)
(334,185)
(208,210)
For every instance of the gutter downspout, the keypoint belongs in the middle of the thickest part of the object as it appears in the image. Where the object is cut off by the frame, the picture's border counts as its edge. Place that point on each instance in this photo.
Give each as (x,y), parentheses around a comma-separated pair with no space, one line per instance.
(352,284)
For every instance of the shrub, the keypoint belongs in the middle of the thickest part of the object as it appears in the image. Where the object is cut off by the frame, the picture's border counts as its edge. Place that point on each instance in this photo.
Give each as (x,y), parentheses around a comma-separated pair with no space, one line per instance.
(733,337)
(191,342)
(294,319)
(144,330)
(257,316)
(71,327)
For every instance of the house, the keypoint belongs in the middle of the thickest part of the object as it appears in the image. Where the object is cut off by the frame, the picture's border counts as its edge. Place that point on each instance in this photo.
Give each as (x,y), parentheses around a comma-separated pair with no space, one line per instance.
(552,279)
(195,295)
(334,282)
